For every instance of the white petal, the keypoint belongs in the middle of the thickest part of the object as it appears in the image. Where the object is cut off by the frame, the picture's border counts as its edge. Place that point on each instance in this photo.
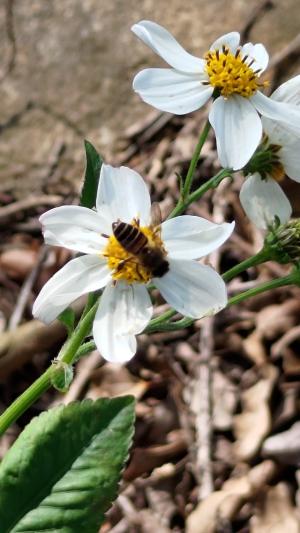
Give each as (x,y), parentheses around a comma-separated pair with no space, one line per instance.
(231,40)
(172,91)
(258,53)
(124,193)
(193,289)
(289,156)
(76,228)
(164,44)
(288,92)
(238,130)
(278,133)
(262,200)
(287,114)
(81,275)
(124,311)
(191,237)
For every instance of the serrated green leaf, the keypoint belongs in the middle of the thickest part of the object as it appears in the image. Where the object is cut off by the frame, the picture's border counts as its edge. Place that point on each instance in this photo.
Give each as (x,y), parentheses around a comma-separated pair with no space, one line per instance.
(67,318)
(91,178)
(62,473)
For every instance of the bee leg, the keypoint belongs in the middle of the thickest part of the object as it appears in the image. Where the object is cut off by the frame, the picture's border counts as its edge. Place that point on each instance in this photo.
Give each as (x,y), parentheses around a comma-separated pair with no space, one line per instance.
(121,264)
(105,235)
(137,222)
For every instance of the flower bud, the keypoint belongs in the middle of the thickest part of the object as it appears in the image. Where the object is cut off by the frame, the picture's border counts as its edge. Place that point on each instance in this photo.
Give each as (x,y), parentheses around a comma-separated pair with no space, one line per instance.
(283,242)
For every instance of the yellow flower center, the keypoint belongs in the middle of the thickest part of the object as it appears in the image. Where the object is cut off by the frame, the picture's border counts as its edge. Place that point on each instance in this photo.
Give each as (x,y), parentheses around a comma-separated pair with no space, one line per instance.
(231,74)
(127,266)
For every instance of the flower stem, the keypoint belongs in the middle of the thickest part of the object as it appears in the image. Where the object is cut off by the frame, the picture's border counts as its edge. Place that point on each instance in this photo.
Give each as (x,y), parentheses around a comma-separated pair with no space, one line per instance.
(267,286)
(293,278)
(67,355)
(212,183)
(261,257)
(193,164)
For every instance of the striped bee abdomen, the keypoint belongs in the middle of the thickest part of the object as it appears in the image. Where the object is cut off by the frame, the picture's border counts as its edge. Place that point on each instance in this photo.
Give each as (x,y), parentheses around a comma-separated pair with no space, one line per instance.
(130,237)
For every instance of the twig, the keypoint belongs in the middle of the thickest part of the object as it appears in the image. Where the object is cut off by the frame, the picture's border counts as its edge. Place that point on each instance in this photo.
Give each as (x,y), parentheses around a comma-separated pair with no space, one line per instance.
(202,406)
(202,394)
(16,117)
(280,60)
(256,14)
(292,48)
(29,203)
(150,131)
(18,311)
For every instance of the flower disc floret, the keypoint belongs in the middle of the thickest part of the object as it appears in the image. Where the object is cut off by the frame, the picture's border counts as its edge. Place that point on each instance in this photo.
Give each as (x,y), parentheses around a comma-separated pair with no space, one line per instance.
(230,73)
(129,267)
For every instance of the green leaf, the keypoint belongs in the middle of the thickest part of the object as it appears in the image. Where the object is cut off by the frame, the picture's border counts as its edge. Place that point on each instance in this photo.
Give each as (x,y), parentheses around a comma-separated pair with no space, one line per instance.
(62,473)
(91,178)
(67,318)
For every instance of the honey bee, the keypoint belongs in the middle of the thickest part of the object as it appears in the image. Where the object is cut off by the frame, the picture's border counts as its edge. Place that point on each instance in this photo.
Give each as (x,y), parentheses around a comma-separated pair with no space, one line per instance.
(133,240)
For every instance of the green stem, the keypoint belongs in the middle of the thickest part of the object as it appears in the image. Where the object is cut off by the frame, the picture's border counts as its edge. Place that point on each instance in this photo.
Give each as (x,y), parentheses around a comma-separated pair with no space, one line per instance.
(261,257)
(193,164)
(212,183)
(155,322)
(170,326)
(67,355)
(19,406)
(268,286)
(185,322)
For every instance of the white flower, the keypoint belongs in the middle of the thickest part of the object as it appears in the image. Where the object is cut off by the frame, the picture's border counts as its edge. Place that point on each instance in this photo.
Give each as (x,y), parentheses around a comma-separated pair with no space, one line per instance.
(261,196)
(231,70)
(125,307)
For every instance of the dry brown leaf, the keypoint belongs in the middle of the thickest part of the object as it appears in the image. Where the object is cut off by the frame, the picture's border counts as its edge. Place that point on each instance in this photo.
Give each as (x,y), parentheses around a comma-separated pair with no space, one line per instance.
(285,446)
(253,424)
(113,380)
(223,504)
(18,263)
(276,319)
(270,322)
(254,348)
(276,513)
(146,459)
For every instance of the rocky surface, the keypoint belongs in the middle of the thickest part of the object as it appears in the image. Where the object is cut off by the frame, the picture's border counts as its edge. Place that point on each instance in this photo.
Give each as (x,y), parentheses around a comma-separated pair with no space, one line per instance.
(71,75)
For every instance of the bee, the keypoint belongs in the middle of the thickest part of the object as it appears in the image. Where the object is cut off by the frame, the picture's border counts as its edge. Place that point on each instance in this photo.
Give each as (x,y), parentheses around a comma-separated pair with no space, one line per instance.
(133,240)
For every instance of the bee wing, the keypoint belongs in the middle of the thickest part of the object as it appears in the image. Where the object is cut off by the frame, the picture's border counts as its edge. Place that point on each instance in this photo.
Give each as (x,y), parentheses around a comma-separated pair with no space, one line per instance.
(156,216)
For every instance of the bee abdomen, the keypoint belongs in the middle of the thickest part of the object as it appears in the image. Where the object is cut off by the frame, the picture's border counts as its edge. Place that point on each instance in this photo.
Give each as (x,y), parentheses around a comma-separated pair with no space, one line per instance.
(130,237)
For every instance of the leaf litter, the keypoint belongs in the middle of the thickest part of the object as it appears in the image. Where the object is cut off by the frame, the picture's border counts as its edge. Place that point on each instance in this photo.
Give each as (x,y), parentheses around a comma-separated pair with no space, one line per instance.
(251,451)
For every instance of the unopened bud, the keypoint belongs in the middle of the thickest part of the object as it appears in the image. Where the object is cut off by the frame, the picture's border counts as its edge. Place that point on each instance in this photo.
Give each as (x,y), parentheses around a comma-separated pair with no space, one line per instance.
(283,242)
